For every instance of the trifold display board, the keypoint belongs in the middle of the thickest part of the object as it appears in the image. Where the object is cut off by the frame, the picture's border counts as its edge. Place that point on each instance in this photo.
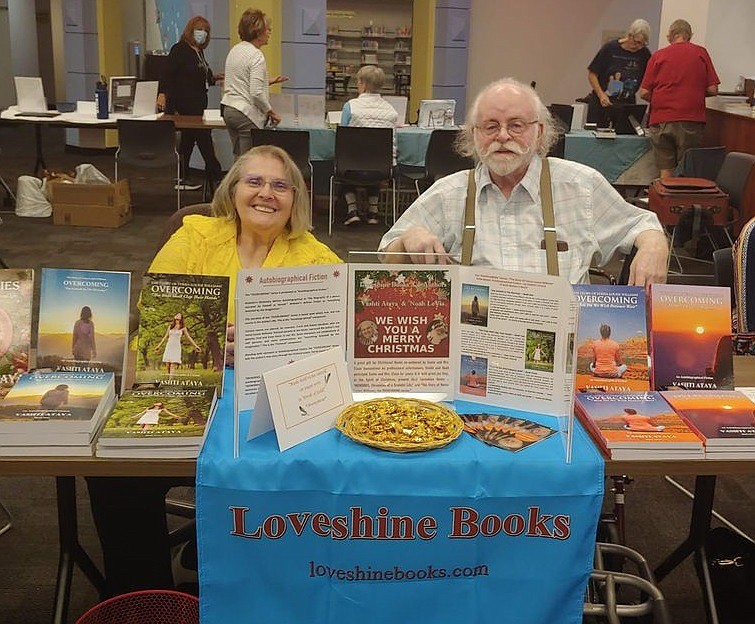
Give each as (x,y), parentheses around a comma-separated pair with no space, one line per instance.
(443,332)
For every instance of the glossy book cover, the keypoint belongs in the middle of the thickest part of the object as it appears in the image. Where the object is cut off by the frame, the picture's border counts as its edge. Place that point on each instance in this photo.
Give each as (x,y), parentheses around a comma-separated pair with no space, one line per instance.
(83,320)
(612,342)
(634,420)
(690,337)
(182,330)
(16,299)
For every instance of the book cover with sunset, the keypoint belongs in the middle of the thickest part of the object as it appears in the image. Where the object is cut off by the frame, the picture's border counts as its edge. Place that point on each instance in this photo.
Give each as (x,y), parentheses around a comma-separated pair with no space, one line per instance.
(690,337)
(60,403)
(83,321)
(612,342)
(629,425)
(725,419)
(16,299)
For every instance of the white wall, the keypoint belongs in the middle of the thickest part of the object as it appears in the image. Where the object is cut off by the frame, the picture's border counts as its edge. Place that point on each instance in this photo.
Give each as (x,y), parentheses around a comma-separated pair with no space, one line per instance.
(694,11)
(730,40)
(547,41)
(23,37)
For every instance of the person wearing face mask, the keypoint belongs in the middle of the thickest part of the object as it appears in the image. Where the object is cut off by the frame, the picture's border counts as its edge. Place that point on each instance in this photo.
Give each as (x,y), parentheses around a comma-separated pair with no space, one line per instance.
(246,97)
(508,132)
(183,91)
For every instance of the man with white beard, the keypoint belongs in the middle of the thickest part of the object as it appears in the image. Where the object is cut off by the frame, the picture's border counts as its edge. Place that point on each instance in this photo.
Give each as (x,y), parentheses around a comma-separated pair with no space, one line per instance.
(508,132)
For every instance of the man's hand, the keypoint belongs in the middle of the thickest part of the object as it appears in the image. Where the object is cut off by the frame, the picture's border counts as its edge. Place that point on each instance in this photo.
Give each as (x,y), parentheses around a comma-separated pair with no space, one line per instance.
(650,263)
(605,101)
(161,101)
(422,244)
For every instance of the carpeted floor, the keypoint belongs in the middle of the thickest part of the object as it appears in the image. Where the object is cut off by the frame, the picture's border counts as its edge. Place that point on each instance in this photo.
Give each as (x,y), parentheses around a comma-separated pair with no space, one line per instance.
(657,513)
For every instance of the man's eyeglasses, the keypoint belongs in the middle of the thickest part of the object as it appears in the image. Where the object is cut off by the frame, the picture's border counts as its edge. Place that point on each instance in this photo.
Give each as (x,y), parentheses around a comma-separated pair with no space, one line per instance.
(278,186)
(515,127)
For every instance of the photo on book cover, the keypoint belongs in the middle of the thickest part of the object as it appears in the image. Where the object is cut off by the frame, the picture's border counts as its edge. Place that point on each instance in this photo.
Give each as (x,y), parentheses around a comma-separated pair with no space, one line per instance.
(16,296)
(83,320)
(539,350)
(475,301)
(473,377)
(182,330)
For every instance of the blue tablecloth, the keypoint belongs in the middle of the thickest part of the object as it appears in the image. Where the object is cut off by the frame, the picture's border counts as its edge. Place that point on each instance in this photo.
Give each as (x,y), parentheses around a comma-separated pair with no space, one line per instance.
(612,157)
(411,144)
(331,531)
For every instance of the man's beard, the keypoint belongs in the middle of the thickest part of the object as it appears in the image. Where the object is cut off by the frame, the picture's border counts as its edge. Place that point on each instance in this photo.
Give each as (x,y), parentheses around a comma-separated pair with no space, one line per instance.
(508,164)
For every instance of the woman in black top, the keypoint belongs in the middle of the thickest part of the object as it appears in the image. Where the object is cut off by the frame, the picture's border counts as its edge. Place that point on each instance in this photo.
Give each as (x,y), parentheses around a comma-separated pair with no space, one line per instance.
(183,90)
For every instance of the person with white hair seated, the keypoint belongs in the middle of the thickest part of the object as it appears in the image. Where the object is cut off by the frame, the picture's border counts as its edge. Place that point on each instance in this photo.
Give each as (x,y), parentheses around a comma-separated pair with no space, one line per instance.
(499,214)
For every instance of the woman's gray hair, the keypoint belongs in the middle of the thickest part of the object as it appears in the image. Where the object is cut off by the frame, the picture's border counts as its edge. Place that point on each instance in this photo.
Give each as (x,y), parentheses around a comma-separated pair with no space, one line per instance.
(465,144)
(372,78)
(639,28)
(224,200)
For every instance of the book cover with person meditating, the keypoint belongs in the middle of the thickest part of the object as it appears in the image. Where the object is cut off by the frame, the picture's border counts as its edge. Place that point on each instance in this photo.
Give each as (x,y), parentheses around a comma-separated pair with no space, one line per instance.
(612,341)
(636,425)
(182,330)
(16,299)
(49,413)
(83,321)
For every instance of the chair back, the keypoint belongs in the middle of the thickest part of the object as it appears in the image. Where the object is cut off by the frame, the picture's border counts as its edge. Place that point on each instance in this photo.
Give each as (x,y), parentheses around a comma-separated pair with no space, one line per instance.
(146,143)
(363,154)
(295,142)
(701,162)
(176,219)
(734,174)
(158,606)
(562,115)
(441,159)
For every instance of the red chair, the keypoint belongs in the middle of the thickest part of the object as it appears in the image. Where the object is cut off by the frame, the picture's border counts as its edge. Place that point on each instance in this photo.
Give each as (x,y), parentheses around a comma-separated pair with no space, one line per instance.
(145,607)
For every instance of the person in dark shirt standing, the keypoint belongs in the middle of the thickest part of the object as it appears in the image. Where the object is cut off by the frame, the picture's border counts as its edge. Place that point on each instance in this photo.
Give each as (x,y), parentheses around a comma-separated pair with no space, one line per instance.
(617,70)
(183,91)
(678,79)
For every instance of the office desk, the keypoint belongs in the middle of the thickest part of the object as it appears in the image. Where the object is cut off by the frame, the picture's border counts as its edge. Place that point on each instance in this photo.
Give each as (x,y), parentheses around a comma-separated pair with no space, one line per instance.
(626,160)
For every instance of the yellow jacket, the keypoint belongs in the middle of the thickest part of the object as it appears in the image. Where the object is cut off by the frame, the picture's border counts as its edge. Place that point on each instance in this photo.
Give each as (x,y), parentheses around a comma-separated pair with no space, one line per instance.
(207,246)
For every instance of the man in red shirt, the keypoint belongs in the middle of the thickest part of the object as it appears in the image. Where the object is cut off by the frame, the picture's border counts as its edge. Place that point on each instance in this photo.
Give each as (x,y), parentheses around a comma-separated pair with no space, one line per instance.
(676,82)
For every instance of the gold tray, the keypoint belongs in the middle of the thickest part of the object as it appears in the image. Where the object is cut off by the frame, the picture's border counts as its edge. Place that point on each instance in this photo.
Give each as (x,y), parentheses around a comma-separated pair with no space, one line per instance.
(400,425)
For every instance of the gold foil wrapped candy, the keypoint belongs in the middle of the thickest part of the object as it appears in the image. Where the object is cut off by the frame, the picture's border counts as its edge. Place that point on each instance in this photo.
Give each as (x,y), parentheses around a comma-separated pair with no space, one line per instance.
(400,425)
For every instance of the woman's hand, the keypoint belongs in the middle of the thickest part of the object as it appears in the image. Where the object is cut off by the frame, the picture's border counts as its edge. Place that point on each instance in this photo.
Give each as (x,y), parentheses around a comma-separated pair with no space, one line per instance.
(278,79)
(274,118)
(161,101)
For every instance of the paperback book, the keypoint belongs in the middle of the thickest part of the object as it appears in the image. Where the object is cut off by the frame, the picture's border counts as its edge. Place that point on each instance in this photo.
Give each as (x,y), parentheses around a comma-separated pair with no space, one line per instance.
(690,337)
(16,298)
(724,419)
(612,343)
(55,409)
(636,425)
(182,330)
(83,321)
(151,422)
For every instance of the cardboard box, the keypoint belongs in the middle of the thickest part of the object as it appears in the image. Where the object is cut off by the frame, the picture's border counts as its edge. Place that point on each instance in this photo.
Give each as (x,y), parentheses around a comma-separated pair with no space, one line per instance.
(92,205)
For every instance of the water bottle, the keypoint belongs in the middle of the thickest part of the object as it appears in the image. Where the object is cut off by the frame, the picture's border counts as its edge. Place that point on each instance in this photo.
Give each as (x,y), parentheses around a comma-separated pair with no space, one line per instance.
(101,103)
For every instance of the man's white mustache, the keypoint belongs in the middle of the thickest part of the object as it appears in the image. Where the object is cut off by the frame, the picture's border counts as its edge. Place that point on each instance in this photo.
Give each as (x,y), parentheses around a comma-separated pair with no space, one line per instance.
(512,146)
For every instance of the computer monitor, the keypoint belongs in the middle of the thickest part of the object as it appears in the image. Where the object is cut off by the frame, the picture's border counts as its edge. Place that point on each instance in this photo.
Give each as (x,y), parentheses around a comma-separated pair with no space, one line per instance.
(626,118)
(436,113)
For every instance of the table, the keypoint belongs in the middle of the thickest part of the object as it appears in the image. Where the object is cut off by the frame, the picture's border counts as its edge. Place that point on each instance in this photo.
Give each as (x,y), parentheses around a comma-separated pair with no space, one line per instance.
(626,160)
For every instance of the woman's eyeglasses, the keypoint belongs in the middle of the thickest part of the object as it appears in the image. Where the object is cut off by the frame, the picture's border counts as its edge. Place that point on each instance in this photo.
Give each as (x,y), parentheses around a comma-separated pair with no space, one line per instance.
(515,127)
(278,186)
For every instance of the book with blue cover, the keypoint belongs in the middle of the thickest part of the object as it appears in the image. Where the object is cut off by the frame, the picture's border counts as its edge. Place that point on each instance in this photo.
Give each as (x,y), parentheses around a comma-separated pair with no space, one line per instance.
(83,321)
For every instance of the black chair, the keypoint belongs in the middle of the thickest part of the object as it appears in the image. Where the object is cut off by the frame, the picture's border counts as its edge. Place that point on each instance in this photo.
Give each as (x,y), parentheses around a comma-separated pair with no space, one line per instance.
(148,144)
(701,162)
(363,157)
(296,143)
(176,219)
(562,114)
(441,159)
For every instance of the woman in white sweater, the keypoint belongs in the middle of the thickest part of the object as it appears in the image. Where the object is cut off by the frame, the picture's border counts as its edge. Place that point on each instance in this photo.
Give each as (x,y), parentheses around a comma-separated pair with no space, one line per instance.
(246,96)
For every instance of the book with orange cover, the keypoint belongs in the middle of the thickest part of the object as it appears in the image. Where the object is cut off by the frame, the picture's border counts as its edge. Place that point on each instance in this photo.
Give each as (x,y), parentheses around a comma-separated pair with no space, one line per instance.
(690,337)
(636,425)
(612,341)
(725,419)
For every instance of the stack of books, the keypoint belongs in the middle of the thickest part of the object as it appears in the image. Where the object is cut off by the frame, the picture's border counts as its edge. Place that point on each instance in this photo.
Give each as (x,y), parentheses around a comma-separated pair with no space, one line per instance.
(724,419)
(636,425)
(55,413)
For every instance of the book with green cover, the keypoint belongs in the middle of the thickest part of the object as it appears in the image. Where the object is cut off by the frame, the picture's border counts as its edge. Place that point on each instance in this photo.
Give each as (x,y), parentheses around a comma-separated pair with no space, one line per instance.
(182,330)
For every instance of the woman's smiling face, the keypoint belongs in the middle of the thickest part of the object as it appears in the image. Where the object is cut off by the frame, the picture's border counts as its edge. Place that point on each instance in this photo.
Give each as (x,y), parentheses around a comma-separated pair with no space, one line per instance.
(264,196)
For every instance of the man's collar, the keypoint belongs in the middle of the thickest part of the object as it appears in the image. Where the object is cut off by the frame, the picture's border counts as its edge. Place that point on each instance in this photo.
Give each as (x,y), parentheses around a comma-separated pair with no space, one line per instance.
(530,182)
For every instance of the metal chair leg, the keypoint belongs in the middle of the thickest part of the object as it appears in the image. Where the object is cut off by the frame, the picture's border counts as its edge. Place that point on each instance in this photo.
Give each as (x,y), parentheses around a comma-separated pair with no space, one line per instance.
(9,523)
